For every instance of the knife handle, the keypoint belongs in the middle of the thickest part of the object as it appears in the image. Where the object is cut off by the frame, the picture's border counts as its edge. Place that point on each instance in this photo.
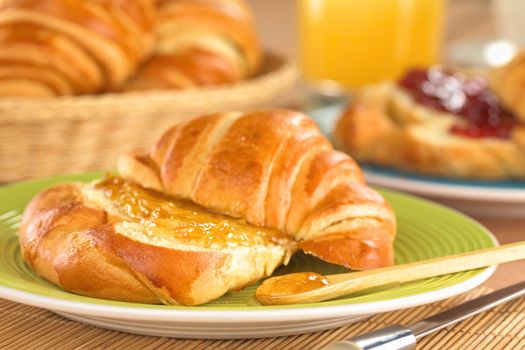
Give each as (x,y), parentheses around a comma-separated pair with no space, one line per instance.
(394,337)
(397,337)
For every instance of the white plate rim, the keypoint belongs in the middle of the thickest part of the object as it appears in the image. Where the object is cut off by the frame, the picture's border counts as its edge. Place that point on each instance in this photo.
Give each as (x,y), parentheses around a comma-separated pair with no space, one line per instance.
(451,191)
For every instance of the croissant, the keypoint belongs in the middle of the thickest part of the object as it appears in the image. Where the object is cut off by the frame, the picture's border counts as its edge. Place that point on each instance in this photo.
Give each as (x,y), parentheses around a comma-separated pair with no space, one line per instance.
(206,42)
(387,126)
(261,185)
(272,168)
(61,47)
(114,240)
(508,83)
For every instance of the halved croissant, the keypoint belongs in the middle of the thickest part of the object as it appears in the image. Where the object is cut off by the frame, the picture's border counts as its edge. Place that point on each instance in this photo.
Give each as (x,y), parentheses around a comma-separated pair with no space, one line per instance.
(60,47)
(102,240)
(204,42)
(275,169)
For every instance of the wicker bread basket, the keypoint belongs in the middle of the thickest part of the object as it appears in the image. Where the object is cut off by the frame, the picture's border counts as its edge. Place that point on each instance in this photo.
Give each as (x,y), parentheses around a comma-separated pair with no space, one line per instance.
(40,137)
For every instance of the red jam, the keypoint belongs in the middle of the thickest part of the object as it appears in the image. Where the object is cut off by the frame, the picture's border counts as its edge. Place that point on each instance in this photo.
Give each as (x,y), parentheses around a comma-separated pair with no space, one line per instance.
(467,97)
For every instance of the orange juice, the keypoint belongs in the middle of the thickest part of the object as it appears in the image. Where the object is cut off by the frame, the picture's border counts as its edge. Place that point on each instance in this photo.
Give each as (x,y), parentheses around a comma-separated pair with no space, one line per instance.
(356,42)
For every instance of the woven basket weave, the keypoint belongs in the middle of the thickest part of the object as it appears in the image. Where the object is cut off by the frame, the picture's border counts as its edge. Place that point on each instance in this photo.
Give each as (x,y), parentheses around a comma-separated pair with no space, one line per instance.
(40,137)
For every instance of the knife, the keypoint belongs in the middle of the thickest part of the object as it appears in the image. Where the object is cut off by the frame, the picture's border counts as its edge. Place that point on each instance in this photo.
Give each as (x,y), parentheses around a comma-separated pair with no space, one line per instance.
(398,337)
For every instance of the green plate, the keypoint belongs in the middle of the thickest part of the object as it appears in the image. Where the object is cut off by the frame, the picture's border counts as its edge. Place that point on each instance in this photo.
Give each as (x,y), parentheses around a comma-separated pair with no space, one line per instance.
(426,230)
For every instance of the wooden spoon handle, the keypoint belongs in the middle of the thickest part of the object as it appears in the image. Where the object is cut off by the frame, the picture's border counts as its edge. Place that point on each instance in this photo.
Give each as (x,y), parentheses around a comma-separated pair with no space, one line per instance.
(311,287)
(431,268)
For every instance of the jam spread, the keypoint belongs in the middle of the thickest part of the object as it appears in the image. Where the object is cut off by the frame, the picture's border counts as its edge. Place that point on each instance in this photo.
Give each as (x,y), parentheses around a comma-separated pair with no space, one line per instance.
(467,97)
(181,221)
(294,283)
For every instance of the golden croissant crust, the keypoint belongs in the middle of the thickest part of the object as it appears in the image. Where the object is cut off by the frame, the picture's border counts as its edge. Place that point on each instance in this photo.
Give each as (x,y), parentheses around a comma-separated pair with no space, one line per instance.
(115,240)
(275,169)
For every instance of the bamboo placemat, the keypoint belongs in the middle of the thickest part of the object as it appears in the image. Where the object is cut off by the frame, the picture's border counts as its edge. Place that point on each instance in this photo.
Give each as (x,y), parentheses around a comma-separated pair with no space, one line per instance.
(25,327)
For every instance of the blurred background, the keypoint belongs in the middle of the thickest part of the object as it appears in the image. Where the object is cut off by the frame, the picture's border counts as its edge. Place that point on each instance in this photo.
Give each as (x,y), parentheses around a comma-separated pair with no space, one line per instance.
(473,33)
(102,107)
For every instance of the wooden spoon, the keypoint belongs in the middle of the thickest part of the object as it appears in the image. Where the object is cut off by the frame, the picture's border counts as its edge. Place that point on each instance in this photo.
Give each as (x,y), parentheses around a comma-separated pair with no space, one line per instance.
(310,287)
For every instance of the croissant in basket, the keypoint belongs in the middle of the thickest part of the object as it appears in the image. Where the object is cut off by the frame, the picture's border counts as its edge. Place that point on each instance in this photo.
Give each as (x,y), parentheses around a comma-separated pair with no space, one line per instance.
(217,204)
(199,43)
(65,47)
(72,47)
(435,122)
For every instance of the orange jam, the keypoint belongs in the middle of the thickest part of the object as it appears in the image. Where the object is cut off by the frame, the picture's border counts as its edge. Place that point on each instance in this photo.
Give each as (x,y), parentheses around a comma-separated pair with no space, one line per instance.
(181,220)
(296,283)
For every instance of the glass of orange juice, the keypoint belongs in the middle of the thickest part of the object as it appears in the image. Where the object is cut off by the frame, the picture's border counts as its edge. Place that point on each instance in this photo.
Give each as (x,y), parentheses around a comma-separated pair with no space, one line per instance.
(358,42)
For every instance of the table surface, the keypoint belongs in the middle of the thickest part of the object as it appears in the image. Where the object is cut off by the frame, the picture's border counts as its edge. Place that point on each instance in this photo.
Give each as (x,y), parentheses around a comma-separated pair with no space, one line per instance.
(465,20)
